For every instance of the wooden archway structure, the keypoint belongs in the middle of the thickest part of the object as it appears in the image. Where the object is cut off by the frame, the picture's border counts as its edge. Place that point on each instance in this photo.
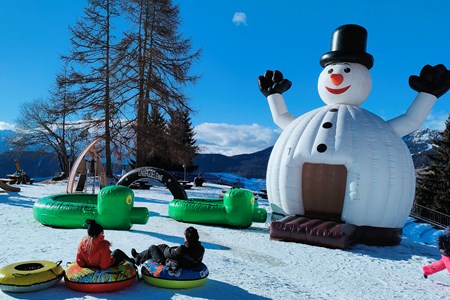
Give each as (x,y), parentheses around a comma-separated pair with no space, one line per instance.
(79,172)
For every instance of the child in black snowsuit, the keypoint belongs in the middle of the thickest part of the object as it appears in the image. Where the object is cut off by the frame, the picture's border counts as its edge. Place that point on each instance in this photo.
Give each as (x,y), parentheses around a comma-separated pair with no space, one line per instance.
(444,262)
(188,255)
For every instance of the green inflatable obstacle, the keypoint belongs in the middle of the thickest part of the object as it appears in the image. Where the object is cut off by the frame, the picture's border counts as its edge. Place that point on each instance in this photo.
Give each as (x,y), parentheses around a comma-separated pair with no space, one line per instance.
(238,208)
(112,208)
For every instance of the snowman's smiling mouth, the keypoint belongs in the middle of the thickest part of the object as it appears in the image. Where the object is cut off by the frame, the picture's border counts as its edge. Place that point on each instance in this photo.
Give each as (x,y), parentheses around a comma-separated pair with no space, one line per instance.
(337,91)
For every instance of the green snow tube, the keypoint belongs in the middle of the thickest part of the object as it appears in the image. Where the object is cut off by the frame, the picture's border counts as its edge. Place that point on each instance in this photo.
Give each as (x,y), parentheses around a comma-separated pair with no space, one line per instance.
(112,208)
(238,208)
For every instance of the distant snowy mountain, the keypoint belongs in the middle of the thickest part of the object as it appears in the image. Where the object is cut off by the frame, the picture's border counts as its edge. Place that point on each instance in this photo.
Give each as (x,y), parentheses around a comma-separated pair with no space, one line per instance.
(35,164)
(420,144)
(4,145)
(252,165)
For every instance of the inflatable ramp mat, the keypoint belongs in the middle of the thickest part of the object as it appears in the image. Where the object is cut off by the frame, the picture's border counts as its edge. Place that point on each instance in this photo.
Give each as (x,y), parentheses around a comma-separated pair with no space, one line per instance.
(304,230)
(332,234)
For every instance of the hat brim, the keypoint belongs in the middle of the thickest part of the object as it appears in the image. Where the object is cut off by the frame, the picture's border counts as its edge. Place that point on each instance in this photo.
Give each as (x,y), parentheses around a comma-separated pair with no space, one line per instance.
(337,56)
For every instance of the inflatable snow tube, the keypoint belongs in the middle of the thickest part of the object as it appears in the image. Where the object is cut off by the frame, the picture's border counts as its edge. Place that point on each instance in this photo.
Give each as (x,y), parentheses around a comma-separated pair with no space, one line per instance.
(238,208)
(161,276)
(30,276)
(112,208)
(93,280)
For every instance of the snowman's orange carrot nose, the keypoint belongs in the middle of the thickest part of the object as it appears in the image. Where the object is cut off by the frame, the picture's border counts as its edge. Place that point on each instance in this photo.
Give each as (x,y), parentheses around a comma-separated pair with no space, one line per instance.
(336,79)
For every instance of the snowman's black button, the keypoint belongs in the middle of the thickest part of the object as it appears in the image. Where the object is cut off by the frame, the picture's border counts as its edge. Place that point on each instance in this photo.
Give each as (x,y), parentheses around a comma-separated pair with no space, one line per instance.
(322,148)
(333,110)
(327,125)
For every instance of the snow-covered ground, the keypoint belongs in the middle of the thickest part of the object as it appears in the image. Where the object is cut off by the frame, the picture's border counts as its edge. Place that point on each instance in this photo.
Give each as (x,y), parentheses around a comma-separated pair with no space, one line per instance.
(243,263)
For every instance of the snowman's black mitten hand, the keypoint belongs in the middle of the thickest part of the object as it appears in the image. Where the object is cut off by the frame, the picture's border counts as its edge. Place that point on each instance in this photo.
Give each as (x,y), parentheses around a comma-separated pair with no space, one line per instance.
(272,83)
(432,80)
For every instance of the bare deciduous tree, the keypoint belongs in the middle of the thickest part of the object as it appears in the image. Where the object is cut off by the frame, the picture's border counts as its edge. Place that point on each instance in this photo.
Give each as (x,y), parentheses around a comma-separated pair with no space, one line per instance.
(157,61)
(93,75)
(38,127)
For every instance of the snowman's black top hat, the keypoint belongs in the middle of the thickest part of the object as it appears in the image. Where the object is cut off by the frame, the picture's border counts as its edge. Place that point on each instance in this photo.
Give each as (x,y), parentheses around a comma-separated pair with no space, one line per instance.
(348,44)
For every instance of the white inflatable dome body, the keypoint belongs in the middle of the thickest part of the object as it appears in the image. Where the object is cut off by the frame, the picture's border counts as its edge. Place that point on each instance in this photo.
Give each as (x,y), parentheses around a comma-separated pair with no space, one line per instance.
(343,162)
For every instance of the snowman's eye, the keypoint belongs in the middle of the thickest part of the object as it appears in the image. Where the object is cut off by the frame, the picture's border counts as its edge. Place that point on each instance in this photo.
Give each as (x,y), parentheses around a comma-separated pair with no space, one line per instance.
(330,71)
(347,70)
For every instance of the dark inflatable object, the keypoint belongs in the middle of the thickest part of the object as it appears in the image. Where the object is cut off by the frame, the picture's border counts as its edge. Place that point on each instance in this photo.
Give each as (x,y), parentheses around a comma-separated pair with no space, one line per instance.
(198,181)
(162,176)
(331,234)
(423,84)
(348,44)
(313,231)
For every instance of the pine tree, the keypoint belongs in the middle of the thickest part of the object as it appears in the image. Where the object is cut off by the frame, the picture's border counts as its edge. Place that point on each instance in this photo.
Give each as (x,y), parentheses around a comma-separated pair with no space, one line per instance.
(157,154)
(433,185)
(182,141)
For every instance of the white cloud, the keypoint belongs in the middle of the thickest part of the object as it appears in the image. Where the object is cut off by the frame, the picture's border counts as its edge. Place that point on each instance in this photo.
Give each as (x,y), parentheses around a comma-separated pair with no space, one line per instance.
(6,126)
(436,120)
(240,18)
(229,139)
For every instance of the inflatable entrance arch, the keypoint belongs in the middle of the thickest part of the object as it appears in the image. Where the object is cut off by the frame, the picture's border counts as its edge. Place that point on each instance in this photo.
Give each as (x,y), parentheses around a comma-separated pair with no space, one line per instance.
(162,176)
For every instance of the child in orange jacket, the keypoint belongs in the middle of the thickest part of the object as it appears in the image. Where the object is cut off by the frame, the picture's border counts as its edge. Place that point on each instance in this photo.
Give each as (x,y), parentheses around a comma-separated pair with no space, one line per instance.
(94,251)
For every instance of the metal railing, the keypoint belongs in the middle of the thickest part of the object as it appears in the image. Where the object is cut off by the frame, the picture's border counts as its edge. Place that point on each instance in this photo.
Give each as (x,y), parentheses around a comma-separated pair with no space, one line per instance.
(430,216)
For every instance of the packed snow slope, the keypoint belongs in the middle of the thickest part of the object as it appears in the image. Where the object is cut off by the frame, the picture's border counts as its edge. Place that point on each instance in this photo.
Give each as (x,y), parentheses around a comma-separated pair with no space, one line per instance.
(243,263)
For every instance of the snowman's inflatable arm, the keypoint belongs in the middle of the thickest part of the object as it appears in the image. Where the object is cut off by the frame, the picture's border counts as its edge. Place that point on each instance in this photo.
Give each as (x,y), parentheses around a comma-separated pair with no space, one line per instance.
(272,85)
(432,83)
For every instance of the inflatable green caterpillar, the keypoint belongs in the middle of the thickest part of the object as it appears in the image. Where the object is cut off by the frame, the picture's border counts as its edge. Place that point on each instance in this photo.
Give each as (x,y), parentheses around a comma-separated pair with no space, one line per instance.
(112,208)
(238,208)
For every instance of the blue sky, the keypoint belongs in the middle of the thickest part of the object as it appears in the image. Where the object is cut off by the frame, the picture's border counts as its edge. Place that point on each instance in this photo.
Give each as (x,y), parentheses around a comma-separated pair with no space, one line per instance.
(240,40)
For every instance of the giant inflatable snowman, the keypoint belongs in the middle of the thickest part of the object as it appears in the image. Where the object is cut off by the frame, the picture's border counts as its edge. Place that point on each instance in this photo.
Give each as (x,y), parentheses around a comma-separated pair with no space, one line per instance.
(340,171)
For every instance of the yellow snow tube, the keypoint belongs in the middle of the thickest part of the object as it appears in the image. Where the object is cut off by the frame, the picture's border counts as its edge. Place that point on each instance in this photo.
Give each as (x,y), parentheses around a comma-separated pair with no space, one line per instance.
(30,276)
